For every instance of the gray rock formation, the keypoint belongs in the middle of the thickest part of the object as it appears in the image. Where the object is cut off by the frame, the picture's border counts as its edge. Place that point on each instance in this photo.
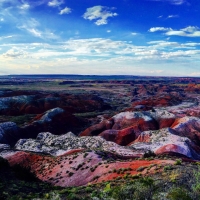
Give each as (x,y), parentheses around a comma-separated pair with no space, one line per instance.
(57,145)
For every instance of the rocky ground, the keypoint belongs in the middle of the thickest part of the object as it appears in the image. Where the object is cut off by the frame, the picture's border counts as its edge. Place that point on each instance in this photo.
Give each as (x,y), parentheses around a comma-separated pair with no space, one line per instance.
(94,139)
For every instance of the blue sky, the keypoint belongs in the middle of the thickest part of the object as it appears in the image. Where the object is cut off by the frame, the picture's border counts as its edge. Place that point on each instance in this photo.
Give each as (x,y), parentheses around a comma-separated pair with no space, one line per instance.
(129,37)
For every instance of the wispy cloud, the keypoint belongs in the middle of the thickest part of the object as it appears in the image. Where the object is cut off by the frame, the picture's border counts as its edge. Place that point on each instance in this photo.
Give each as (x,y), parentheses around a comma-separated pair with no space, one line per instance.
(100,14)
(35,32)
(190,31)
(177,2)
(55,3)
(172,16)
(14,53)
(66,10)
(30,24)
(108,57)
(174,2)
(24,6)
(6,37)
(154,29)
(33,27)
(133,33)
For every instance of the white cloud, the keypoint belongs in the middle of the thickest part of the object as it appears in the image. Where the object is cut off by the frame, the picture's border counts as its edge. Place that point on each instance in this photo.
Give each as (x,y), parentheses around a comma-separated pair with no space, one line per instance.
(24,6)
(31,26)
(66,10)
(177,2)
(2,19)
(154,29)
(100,14)
(35,32)
(108,31)
(99,55)
(31,23)
(174,2)
(34,28)
(180,53)
(55,3)
(190,31)
(133,33)
(14,53)
(172,16)
(21,5)
(6,37)
(192,44)
(172,46)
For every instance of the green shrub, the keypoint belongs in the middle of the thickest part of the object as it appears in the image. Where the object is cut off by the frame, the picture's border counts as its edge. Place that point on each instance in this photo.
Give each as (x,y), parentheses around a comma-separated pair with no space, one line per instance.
(167,167)
(88,189)
(178,194)
(178,162)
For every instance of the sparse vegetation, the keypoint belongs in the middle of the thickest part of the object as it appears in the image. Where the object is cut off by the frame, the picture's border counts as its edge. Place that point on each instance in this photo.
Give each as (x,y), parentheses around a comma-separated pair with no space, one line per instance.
(162,180)
(178,162)
(167,167)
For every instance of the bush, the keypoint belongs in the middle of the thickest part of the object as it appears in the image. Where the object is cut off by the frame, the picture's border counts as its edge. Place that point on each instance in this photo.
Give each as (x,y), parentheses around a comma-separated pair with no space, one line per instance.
(178,194)
(167,167)
(173,176)
(138,190)
(178,162)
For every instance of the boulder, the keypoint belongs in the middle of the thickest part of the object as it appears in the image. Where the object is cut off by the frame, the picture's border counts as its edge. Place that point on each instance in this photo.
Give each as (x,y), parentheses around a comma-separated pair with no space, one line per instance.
(165,140)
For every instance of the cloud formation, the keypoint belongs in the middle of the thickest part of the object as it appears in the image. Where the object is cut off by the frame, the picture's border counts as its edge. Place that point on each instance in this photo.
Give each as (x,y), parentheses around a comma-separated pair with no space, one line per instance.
(177,2)
(24,6)
(108,56)
(172,16)
(33,27)
(100,14)
(190,31)
(133,33)
(63,45)
(14,53)
(55,3)
(174,2)
(154,29)
(66,10)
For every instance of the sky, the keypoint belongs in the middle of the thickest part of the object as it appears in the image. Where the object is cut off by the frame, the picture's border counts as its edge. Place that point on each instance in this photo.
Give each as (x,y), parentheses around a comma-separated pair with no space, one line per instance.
(102,37)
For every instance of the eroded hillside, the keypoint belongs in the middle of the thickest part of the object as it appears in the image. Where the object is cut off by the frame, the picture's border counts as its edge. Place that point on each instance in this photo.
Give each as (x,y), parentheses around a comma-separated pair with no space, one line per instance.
(102,139)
